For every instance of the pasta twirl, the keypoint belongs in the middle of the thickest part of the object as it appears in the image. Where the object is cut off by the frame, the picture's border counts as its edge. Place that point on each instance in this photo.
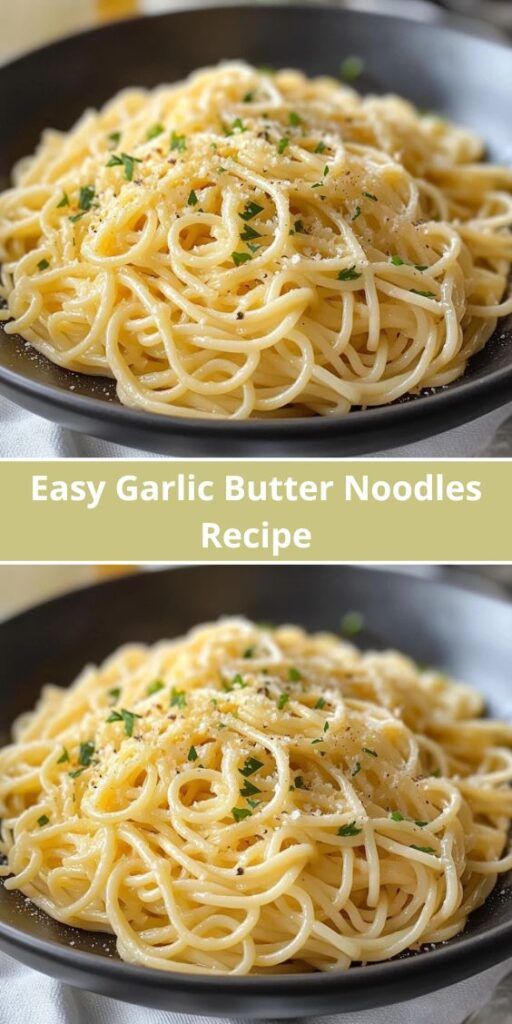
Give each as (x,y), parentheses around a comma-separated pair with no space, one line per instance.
(253,245)
(254,800)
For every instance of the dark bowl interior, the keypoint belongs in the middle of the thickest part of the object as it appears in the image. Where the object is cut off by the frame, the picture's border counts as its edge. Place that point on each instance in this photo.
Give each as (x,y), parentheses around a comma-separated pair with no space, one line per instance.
(461,76)
(465,633)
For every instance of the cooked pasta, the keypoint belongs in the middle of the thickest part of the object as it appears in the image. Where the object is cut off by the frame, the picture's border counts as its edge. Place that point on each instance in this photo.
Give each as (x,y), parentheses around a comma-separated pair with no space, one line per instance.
(246,799)
(246,244)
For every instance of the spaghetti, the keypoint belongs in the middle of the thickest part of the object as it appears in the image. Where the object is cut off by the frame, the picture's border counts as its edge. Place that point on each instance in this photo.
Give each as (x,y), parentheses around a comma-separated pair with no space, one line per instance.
(247,244)
(254,800)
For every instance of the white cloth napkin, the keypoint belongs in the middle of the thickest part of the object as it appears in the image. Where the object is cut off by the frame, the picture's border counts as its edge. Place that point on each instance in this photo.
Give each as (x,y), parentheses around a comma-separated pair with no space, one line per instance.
(23,435)
(27,997)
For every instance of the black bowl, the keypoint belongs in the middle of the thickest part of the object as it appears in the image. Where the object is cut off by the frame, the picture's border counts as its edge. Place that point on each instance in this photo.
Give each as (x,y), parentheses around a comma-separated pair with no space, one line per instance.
(467,634)
(468,79)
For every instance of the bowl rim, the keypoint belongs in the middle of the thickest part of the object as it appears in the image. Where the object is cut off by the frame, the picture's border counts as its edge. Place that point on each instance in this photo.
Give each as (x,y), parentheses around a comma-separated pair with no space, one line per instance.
(459,398)
(476,952)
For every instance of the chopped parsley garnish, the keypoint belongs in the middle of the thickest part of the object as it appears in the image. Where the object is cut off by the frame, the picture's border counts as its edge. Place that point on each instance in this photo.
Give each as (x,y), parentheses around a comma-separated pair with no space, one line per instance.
(178,698)
(128,717)
(249,652)
(43,265)
(239,813)
(250,211)
(299,227)
(86,753)
(294,675)
(320,703)
(349,830)
(326,171)
(156,129)
(356,213)
(178,142)
(396,816)
(320,148)
(237,683)
(352,623)
(249,233)
(64,757)
(251,765)
(294,119)
(114,138)
(283,144)
(248,98)
(155,687)
(421,267)
(326,726)
(240,257)
(397,261)
(76,216)
(75,774)
(253,803)
(370,195)
(114,693)
(426,295)
(436,774)
(86,197)
(368,750)
(356,769)
(299,782)
(283,700)
(253,247)
(64,201)
(422,849)
(350,274)
(421,824)
(192,754)
(126,161)
(248,789)
(318,740)
(192,199)
(43,820)
(351,68)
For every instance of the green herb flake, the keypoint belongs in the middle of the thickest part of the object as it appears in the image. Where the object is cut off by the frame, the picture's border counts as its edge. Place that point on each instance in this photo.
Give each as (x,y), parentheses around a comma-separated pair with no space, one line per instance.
(326,171)
(43,265)
(248,98)
(86,197)
(192,199)
(356,769)
(239,258)
(64,757)
(352,623)
(318,740)
(248,789)
(421,267)
(249,652)
(128,717)
(250,211)
(370,195)
(436,774)
(192,754)
(397,261)
(326,726)
(396,816)
(320,148)
(178,698)
(283,700)
(294,675)
(126,161)
(351,68)
(64,201)
(114,693)
(421,824)
(43,820)
(253,803)
(86,753)
(114,138)
(356,213)
(154,131)
(76,216)
(283,144)
(251,765)
(155,687)
(320,703)
(294,119)
(178,142)
(239,813)
(349,830)
(350,274)
(422,849)
(426,295)
(75,774)
(370,752)
(249,233)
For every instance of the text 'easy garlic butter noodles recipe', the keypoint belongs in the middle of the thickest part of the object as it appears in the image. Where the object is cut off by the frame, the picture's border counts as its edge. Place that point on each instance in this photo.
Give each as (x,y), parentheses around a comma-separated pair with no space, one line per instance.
(246,244)
(254,800)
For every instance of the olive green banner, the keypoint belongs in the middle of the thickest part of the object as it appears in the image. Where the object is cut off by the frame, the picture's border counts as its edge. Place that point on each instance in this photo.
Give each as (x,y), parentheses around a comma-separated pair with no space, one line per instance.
(145,510)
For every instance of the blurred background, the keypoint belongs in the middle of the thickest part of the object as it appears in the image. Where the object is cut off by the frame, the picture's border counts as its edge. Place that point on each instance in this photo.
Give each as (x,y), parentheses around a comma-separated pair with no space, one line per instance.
(22,586)
(30,23)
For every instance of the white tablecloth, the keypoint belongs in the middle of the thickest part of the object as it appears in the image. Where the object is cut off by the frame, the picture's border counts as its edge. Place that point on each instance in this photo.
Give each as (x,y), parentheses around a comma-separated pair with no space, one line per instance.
(27,997)
(23,435)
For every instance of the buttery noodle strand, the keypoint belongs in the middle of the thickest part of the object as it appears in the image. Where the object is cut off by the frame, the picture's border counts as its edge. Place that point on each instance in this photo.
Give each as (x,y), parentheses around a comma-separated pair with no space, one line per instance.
(253,800)
(245,244)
